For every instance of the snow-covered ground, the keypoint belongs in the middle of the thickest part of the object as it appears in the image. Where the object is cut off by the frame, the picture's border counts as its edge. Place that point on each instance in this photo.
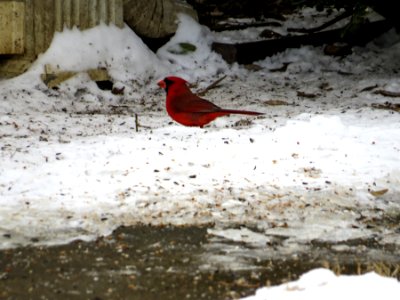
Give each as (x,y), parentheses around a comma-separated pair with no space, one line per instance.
(324,166)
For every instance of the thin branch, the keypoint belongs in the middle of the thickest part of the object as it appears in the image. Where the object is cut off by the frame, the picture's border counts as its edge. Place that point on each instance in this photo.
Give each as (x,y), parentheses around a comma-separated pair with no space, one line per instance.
(211,86)
(136,122)
(225,27)
(387,105)
(388,93)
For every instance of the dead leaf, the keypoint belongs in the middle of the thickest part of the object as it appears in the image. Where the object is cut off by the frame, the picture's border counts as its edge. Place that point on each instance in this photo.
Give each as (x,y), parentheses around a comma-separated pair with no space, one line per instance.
(275,102)
(378,193)
(337,50)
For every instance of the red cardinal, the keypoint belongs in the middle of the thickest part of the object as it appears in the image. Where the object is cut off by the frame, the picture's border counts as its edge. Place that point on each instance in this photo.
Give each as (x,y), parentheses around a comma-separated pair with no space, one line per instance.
(189,109)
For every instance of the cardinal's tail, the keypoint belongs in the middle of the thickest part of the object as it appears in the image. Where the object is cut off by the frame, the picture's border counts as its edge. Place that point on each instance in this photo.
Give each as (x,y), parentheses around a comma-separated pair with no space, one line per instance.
(241,112)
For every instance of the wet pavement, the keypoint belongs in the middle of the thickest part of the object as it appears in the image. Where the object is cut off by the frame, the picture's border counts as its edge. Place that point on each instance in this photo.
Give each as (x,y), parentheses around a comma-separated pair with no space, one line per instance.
(145,262)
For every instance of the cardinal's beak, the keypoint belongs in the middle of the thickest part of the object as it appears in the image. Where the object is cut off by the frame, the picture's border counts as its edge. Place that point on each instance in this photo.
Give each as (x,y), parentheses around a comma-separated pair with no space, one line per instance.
(162,84)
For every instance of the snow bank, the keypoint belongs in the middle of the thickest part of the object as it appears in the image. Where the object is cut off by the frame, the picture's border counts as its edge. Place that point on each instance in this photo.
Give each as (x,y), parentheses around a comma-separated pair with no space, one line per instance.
(324,284)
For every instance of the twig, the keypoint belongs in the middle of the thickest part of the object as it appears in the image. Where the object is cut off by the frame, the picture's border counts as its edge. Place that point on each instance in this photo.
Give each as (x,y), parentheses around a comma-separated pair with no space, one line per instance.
(136,122)
(244,26)
(369,88)
(388,93)
(120,106)
(387,105)
(306,95)
(211,86)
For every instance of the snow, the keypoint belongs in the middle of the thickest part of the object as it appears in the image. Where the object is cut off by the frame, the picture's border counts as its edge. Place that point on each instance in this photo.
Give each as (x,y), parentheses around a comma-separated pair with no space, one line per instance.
(324,284)
(194,65)
(102,47)
(74,165)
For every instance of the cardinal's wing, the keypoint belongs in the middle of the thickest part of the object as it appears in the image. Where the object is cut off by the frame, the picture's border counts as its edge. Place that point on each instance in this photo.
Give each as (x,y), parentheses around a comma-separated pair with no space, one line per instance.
(195,104)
